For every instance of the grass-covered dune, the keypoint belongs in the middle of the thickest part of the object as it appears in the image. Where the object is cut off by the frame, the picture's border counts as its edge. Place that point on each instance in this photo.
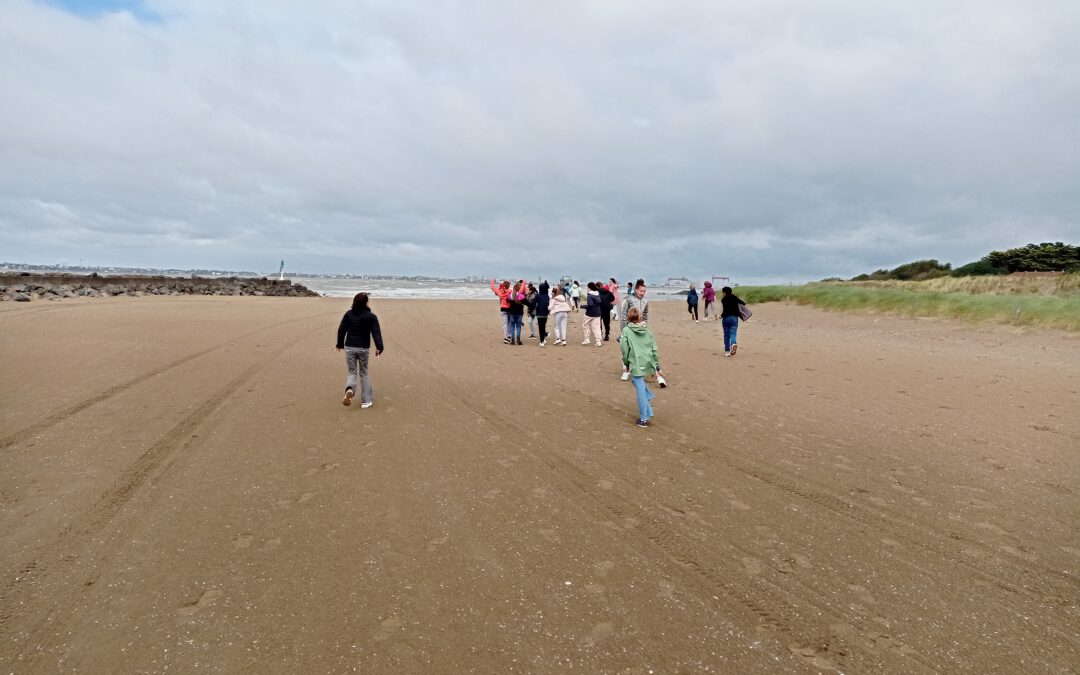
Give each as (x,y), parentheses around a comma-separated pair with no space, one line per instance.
(1050,302)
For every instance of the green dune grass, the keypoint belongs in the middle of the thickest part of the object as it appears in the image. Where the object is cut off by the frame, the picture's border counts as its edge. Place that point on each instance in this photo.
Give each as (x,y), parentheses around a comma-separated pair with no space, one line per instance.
(1046,311)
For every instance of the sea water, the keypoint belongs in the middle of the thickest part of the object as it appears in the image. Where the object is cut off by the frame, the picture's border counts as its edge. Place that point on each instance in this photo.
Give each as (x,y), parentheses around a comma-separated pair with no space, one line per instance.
(346,287)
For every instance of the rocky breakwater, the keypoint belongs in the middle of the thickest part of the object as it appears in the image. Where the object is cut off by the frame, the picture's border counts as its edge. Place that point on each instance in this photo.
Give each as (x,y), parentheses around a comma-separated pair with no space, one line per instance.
(27,287)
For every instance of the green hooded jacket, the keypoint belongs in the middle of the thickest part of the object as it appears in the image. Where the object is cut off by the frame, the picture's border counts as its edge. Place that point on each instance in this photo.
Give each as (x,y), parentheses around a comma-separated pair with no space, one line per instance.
(638,349)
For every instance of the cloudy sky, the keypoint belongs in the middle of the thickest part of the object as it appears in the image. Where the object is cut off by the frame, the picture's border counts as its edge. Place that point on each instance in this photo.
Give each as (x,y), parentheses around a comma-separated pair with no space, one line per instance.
(770,140)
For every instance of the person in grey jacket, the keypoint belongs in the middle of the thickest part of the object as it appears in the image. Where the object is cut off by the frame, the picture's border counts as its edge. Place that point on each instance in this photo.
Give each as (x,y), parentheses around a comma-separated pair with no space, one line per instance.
(637,301)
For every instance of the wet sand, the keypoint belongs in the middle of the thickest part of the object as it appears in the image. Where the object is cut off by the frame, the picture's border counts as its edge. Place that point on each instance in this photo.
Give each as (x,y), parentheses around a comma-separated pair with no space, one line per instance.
(181,490)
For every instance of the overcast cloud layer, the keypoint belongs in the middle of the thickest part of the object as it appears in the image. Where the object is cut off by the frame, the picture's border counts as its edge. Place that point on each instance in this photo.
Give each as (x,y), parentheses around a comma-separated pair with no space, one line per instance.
(765,140)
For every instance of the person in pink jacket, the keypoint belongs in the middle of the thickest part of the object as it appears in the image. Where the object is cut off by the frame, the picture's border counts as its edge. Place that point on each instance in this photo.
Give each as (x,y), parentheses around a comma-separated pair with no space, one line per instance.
(709,294)
(613,286)
(503,291)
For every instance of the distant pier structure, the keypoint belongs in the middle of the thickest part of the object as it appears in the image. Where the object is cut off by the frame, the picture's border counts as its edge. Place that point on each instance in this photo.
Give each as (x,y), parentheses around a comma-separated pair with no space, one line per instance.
(676,281)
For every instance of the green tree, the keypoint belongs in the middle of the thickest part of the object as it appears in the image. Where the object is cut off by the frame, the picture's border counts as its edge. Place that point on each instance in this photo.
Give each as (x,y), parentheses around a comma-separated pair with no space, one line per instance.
(1045,257)
(978,268)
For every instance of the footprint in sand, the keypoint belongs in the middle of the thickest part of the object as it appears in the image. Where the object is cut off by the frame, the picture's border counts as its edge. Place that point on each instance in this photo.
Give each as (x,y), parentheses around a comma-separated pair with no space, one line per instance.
(492,494)
(436,543)
(602,568)
(752,566)
(550,535)
(243,540)
(1020,552)
(862,593)
(992,527)
(814,654)
(801,560)
(270,544)
(602,630)
(738,505)
(204,600)
(302,499)
(667,590)
(328,466)
(386,629)
(595,589)
(605,484)
(540,492)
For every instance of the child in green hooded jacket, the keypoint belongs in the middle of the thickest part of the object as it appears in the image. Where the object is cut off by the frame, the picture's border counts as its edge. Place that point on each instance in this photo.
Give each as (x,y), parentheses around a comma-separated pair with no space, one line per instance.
(640,358)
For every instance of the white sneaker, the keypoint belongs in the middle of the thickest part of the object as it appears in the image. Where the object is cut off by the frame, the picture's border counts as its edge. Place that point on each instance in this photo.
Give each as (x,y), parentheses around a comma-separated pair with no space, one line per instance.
(367,405)
(625,375)
(586,343)
(661,381)
(543,344)
(727,353)
(599,344)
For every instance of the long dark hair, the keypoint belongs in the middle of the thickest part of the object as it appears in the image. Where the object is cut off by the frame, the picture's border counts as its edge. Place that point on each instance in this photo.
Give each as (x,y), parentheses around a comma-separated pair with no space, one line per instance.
(359,302)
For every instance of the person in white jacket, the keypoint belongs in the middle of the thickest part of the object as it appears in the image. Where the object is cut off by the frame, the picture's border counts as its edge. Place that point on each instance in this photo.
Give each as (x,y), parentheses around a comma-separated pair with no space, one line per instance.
(560,310)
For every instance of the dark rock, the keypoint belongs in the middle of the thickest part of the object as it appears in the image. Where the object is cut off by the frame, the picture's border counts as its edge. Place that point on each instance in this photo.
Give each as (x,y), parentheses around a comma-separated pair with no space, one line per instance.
(21,297)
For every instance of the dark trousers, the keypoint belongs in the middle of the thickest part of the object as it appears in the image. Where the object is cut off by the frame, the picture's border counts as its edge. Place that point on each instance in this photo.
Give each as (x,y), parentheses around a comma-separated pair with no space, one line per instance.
(605,321)
(541,325)
(693,310)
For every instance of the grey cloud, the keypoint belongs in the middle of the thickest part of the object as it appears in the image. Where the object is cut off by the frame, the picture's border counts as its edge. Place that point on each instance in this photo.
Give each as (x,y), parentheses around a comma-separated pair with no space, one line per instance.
(768,140)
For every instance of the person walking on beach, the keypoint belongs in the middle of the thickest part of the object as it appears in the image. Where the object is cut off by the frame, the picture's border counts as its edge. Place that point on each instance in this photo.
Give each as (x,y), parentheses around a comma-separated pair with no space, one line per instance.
(640,359)
(560,310)
(503,291)
(729,317)
(357,329)
(516,310)
(591,325)
(692,303)
(530,307)
(710,299)
(575,291)
(541,303)
(607,301)
(636,300)
(613,288)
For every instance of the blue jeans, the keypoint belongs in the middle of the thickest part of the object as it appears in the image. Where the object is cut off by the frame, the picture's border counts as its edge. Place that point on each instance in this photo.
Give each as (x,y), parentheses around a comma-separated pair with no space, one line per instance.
(731,327)
(645,410)
(515,326)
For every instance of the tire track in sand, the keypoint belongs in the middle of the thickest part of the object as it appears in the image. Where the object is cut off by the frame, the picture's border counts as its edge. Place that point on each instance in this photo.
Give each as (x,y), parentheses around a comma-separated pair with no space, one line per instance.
(66,549)
(61,415)
(776,611)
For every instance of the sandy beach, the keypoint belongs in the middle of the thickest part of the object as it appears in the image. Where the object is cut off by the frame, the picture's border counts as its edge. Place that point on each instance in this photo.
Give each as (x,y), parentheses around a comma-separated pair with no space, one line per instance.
(182,491)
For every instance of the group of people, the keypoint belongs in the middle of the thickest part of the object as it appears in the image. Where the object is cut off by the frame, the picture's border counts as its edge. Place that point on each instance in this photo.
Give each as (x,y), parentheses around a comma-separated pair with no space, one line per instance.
(731,310)
(521,300)
(359,327)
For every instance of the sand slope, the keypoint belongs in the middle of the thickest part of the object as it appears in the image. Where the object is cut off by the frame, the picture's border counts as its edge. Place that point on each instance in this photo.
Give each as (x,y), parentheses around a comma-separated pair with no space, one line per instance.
(180,489)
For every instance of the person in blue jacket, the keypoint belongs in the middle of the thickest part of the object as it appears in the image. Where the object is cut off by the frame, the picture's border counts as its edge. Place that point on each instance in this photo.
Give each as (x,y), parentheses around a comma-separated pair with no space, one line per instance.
(541,306)
(692,303)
